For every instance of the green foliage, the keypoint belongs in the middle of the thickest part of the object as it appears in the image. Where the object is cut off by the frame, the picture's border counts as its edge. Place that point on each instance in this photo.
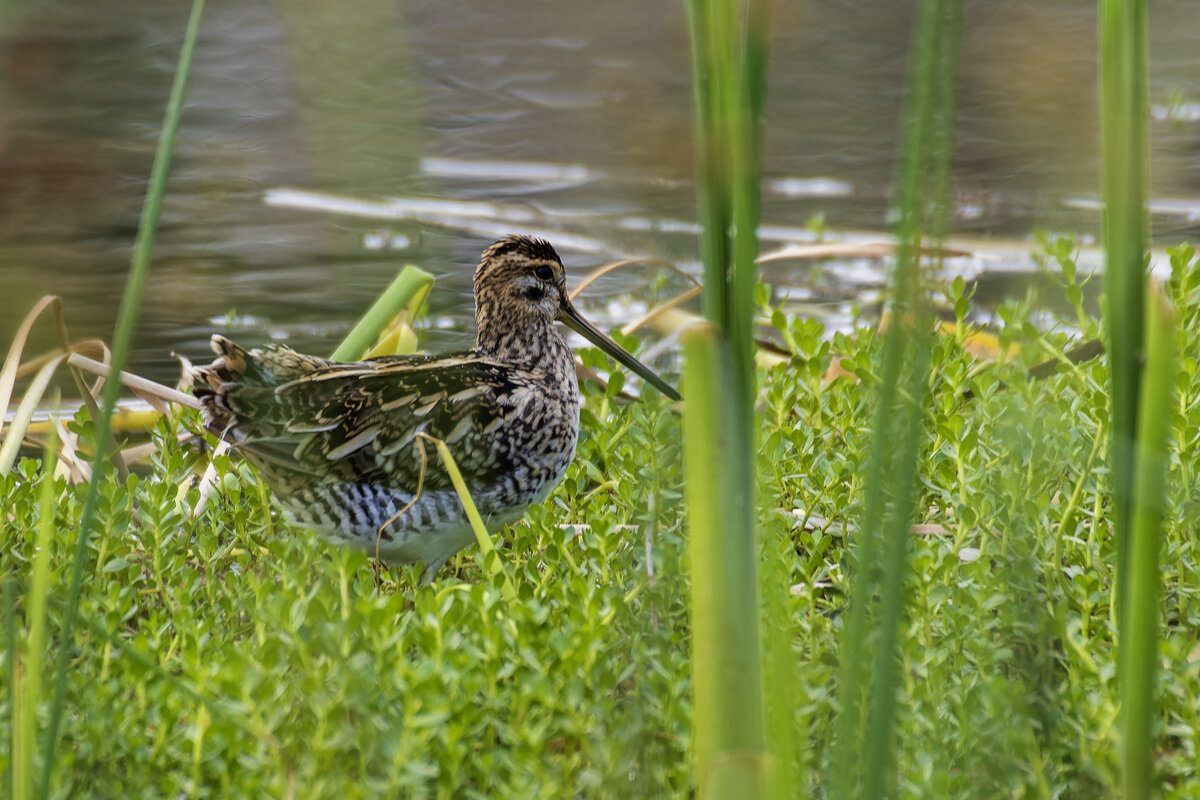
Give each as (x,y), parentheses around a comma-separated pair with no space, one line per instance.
(232,655)
(1008,652)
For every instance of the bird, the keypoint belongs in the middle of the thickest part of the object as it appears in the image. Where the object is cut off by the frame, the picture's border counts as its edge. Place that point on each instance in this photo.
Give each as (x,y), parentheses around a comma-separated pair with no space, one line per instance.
(341,444)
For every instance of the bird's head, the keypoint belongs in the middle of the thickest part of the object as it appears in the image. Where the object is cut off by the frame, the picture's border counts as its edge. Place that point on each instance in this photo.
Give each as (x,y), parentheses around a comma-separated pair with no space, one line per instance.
(521,278)
(521,287)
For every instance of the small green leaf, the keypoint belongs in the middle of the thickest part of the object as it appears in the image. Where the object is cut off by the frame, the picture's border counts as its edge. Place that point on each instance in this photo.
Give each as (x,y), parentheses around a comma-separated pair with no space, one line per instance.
(115,564)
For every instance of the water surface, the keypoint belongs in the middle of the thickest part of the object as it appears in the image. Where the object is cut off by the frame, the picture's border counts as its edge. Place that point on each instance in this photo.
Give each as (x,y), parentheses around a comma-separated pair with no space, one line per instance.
(568,119)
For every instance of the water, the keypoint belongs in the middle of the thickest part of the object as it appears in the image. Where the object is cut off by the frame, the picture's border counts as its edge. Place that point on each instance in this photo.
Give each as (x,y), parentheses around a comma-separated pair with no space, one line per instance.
(568,119)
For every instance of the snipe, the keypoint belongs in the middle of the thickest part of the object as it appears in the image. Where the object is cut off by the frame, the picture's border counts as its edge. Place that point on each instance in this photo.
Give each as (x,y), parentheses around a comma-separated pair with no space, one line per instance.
(338,444)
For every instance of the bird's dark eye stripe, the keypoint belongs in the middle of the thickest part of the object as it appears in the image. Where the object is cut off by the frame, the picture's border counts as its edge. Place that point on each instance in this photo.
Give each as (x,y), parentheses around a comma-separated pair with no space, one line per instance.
(544,273)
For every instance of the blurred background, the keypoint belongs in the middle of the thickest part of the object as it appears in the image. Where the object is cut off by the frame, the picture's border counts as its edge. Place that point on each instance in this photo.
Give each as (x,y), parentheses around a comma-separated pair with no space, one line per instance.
(419,131)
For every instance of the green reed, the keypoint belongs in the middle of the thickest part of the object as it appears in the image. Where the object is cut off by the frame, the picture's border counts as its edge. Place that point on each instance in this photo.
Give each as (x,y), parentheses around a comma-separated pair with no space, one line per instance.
(861,762)
(404,295)
(728,721)
(122,338)
(1142,394)
(1124,117)
(1141,618)
(729,56)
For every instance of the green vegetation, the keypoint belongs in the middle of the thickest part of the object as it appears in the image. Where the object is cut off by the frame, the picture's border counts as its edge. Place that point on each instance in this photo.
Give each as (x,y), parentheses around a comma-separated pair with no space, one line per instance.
(230,655)
(406,292)
(729,57)
(1143,367)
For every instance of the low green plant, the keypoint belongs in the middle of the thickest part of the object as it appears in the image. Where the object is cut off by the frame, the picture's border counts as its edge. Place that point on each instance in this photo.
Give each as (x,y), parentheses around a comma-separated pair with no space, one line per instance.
(233,655)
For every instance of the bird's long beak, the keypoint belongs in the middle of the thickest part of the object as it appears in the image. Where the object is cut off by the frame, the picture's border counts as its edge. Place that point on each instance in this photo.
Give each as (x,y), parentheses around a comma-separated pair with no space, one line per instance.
(572,319)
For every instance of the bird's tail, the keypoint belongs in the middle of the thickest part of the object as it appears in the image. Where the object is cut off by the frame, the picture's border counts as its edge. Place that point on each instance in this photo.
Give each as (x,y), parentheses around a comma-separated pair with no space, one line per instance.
(236,391)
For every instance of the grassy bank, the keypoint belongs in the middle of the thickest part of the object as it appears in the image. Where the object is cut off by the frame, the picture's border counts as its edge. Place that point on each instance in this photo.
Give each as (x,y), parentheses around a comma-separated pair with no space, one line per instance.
(233,656)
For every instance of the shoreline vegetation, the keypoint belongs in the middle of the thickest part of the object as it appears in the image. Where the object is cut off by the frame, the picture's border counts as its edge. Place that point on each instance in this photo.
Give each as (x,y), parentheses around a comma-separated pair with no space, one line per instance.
(230,654)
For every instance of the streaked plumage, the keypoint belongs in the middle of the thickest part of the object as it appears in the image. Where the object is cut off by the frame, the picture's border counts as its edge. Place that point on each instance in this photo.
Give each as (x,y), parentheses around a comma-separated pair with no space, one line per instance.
(338,445)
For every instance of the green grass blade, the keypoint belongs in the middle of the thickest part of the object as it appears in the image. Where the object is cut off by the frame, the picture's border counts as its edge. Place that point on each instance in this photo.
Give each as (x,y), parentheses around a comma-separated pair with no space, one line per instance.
(729,57)
(746,127)
(779,668)
(407,290)
(122,339)
(482,537)
(1139,635)
(943,106)
(711,86)
(1125,116)
(853,677)
(864,742)
(902,479)
(17,781)
(30,697)
(726,654)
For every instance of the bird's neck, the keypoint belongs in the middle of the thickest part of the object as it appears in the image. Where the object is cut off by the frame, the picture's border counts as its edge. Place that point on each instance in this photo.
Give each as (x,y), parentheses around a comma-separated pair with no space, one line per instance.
(528,342)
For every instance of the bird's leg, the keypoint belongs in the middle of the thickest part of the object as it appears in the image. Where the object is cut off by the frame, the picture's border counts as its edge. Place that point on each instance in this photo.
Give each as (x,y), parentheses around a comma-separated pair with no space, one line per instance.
(410,503)
(377,569)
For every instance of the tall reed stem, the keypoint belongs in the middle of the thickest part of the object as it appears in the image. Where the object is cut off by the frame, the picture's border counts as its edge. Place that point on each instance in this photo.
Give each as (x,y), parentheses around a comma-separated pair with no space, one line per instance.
(729,48)
(1125,112)
(1141,620)
(122,338)
(861,762)
(1141,403)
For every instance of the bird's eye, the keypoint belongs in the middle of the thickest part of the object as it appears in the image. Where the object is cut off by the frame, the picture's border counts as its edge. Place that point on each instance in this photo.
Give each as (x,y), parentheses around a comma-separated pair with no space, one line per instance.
(544,273)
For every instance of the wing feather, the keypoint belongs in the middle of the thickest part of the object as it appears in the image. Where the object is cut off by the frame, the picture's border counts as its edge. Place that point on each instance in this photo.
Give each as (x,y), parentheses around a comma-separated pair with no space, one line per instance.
(305,420)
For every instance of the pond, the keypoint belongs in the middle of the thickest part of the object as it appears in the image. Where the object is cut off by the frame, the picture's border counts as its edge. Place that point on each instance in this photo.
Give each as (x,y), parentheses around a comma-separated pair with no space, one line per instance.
(567,120)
